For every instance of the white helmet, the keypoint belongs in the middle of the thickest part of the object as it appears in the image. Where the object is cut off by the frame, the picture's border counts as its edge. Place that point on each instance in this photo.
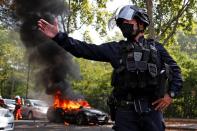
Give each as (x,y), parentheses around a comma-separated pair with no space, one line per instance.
(128,12)
(17,97)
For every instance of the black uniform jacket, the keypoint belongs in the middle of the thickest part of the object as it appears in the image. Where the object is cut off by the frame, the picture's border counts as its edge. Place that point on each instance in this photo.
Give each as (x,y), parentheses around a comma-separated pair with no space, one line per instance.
(110,52)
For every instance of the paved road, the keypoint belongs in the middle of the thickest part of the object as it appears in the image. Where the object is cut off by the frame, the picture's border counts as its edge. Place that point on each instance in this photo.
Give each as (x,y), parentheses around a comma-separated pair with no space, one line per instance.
(183,127)
(24,125)
(38,125)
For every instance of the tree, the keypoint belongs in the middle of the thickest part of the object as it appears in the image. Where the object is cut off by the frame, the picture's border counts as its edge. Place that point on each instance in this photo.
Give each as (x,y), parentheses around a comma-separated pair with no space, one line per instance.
(95,82)
(12,65)
(82,13)
(7,17)
(168,16)
(165,16)
(188,42)
(185,106)
(151,30)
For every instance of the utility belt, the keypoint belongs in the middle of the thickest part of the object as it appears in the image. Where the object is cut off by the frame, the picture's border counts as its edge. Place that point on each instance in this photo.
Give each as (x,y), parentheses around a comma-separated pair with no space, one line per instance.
(141,106)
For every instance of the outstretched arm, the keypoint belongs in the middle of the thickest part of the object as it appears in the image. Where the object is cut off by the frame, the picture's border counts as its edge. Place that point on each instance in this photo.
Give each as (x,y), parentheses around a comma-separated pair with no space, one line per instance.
(75,47)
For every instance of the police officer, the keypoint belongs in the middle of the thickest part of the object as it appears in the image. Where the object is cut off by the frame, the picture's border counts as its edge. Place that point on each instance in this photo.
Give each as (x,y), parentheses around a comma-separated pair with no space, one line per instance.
(138,65)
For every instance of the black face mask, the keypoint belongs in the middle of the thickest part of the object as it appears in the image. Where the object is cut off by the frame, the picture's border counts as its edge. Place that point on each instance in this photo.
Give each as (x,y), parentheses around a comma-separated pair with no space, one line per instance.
(128,31)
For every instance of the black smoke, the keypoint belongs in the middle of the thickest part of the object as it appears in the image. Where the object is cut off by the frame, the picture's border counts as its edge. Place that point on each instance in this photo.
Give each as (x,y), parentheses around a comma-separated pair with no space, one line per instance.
(54,64)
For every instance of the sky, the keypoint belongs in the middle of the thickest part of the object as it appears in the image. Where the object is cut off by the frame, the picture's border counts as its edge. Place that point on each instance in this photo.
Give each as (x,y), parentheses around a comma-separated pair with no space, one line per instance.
(112,5)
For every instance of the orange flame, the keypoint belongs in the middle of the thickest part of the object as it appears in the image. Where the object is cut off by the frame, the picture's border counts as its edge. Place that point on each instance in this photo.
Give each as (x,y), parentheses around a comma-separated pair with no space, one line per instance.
(59,102)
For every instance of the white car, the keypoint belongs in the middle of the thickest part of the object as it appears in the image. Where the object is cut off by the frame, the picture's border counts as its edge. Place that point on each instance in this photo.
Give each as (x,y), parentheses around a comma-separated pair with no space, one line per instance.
(10,103)
(34,109)
(6,120)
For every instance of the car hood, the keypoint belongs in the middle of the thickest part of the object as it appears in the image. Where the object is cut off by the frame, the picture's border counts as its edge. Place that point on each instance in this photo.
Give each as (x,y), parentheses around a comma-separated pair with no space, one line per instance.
(4,118)
(11,106)
(93,111)
(3,111)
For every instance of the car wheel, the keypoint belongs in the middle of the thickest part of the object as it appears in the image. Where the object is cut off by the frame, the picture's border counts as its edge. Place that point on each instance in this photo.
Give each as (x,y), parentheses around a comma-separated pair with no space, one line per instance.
(80,119)
(30,116)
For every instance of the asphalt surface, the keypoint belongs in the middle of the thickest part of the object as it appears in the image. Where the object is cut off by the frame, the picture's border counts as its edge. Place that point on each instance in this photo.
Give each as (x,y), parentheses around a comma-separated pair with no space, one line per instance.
(182,127)
(38,125)
(44,125)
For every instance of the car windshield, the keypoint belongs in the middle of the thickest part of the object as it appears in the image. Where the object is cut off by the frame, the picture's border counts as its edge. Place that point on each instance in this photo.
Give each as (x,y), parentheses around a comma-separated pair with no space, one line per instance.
(39,103)
(9,101)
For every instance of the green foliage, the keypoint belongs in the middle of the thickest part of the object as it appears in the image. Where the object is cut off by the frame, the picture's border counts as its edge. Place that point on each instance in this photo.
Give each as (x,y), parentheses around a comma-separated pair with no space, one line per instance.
(87,13)
(12,67)
(87,36)
(188,42)
(7,17)
(95,82)
(185,105)
(169,16)
(82,9)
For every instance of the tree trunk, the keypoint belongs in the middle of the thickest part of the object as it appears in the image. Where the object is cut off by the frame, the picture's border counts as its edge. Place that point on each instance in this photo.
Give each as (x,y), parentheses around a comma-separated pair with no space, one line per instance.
(62,18)
(69,17)
(149,6)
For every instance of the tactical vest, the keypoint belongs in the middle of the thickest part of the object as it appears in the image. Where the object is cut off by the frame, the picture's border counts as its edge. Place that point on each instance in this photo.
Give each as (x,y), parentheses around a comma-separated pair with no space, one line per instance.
(139,68)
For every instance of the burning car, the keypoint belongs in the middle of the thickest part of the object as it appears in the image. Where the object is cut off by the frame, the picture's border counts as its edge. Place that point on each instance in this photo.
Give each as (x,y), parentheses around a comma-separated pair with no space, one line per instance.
(76,112)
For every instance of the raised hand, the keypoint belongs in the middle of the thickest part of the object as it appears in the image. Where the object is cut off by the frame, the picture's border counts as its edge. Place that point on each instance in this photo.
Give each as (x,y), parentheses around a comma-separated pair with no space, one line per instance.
(48,29)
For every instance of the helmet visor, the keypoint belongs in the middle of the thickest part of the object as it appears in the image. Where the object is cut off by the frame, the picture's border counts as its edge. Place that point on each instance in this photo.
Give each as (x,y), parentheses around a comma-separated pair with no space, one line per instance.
(126,13)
